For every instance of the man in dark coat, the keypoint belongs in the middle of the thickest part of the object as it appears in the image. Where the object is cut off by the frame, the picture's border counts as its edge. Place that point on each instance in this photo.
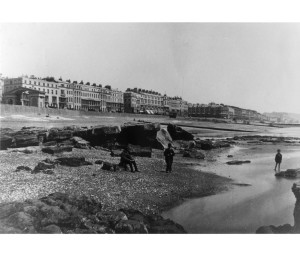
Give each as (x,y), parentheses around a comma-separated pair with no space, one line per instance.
(278,159)
(169,154)
(126,158)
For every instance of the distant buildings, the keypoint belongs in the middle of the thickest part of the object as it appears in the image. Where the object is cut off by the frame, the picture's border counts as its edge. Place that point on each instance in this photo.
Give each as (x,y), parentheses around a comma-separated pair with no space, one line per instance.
(224,111)
(60,94)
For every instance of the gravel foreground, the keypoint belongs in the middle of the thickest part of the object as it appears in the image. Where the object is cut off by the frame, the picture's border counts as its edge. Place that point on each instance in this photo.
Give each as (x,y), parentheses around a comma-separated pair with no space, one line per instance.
(150,191)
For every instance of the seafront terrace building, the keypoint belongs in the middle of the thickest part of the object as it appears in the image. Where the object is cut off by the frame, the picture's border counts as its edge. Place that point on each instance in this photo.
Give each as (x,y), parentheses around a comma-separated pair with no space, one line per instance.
(64,94)
(175,104)
(139,100)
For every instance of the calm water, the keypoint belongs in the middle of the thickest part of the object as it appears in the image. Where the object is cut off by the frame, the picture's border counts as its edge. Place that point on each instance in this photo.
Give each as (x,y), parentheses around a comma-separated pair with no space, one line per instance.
(268,201)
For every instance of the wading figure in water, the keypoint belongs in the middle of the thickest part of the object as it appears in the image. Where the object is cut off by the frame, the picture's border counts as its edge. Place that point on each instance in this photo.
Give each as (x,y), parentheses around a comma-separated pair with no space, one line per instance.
(169,154)
(278,159)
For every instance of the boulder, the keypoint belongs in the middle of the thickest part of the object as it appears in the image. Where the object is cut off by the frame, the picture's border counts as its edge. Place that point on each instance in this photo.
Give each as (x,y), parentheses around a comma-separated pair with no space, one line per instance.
(164,138)
(131,227)
(142,134)
(52,229)
(112,218)
(42,166)
(26,139)
(50,143)
(22,221)
(5,141)
(289,173)
(58,134)
(193,153)
(177,133)
(99,135)
(107,166)
(57,149)
(23,168)
(204,144)
(237,162)
(80,143)
(73,161)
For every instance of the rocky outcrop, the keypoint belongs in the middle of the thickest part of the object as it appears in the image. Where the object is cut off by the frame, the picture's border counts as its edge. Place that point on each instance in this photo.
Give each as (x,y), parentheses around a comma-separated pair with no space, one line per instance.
(72,161)
(59,134)
(99,135)
(142,134)
(193,153)
(23,168)
(289,173)
(60,213)
(80,143)
(286,228)
(211,144)
(177,133)
(237,162)
(5,141)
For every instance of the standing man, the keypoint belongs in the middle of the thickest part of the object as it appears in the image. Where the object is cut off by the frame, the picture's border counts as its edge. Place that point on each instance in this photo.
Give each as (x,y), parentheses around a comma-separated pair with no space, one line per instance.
(169,154)
(278,159)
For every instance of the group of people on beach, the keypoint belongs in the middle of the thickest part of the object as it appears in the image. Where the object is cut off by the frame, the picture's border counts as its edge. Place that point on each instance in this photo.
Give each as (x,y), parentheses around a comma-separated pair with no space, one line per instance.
(127,159)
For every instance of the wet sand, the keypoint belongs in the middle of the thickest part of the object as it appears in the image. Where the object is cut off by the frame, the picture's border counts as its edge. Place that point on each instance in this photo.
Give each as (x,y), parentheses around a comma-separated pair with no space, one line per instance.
(243,209)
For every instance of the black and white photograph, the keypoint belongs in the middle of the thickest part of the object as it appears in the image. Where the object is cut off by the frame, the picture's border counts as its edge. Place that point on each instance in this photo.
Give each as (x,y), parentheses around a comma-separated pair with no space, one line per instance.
(137,128)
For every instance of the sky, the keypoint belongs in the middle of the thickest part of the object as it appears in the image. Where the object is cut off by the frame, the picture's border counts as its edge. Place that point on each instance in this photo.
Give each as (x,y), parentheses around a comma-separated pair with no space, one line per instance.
(250,65)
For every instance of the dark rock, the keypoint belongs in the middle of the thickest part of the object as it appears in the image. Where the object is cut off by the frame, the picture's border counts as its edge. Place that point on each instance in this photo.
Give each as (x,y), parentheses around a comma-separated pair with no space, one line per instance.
(52,229)
(5,141)
(204,144)
(24,140)
(289,173)
(73,161)
(193,153)
(284,229)
(130,227)
(43,166)
(100,135)
(23,168)
(55,149)
(229,156)
(22,221)
(48,171)
(80,143)
(57,134)
(99,162)
(51,143)
(166,226)
(177,133)
(142,134)
(7,209)
(112,218)
(237,162)
(110,166)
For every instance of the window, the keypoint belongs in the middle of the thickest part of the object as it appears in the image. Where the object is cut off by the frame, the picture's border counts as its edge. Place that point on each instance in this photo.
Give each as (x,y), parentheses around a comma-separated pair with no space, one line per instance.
(51,91)
(48,91)
(56,92)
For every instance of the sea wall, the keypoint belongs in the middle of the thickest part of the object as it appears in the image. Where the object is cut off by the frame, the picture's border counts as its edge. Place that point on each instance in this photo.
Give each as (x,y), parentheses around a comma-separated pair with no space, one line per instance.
(26,110)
